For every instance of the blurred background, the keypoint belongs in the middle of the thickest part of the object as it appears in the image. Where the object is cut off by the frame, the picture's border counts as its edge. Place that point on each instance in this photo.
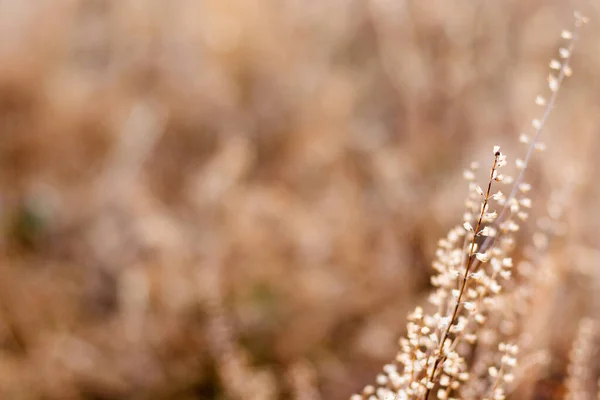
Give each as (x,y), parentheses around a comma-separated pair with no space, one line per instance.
(241,199)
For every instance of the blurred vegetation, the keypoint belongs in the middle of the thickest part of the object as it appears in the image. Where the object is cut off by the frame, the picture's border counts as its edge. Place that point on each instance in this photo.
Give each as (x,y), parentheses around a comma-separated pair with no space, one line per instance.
(194,193)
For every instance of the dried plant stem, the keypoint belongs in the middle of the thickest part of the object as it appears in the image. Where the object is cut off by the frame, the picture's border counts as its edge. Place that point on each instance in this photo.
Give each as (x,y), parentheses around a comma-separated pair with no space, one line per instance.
(471,273)
(469,261)
(579,21)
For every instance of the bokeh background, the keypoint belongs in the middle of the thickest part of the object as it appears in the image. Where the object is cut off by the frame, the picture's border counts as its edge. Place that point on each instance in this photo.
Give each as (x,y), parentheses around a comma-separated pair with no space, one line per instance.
(241,199)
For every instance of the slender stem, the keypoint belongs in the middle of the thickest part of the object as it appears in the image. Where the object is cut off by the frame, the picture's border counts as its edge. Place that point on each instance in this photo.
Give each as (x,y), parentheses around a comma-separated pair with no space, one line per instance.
(469,261)
(489,241)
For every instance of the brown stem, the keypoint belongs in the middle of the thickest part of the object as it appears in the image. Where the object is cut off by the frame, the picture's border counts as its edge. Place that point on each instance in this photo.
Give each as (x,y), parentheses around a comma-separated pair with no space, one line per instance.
(468,263)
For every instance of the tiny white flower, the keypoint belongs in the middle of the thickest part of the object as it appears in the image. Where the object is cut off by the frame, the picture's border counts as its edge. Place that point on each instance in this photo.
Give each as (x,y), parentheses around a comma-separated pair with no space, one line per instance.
(444,380)
(433,337)
(524,187)
(555,64)
(471,338)
(480,318)
(565,34)
(495,287)
(487,231)
(540,101)
(526,202)
(553,83)
(491,216)
(581,19)
(482,257)
(540,147)
(564,53)
(496,265)
(381,379)
(520,163)
(476,275)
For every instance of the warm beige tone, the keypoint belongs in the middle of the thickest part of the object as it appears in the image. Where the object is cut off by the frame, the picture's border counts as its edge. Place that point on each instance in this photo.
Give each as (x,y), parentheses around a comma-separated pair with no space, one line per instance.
(243,198)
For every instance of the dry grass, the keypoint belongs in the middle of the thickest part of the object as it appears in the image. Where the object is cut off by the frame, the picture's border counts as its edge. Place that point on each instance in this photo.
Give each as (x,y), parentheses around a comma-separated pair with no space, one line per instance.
(242,199)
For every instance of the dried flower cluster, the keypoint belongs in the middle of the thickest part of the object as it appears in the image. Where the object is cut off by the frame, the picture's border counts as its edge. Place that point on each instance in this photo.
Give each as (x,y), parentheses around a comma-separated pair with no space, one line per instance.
(466,342)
